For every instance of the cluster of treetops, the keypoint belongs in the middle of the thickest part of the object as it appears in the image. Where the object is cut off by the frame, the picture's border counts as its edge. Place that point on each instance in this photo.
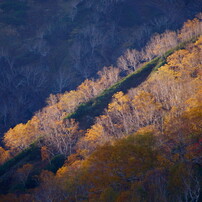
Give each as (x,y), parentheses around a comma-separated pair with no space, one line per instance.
(145,146)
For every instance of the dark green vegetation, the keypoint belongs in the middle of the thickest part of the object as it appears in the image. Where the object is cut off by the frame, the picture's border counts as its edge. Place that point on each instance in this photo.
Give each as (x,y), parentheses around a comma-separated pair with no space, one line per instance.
(32,155)
(7,170)
(56,163)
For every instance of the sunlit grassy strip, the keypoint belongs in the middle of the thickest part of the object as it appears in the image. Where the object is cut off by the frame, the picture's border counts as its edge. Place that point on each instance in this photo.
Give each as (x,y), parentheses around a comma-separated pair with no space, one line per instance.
(86,112)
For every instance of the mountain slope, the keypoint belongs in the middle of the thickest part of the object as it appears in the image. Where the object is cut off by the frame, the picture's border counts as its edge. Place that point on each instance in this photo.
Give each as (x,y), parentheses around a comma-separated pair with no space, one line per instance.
(52,46)
(147,133)
(161,143)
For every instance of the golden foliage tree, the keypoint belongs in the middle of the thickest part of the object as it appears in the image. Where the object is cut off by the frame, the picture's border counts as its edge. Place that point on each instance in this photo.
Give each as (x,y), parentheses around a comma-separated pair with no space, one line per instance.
(22,135)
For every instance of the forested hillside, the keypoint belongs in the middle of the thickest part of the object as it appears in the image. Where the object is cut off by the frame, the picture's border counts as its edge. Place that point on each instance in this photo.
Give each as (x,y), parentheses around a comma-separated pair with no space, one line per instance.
(133,133)
(50,46)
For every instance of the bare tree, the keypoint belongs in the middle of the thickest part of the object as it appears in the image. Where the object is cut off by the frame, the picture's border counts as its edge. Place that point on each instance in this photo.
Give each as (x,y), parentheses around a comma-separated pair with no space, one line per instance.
(192,186)
(94,35)
(61,81)
(160,43)
(130,60)
(59,136)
